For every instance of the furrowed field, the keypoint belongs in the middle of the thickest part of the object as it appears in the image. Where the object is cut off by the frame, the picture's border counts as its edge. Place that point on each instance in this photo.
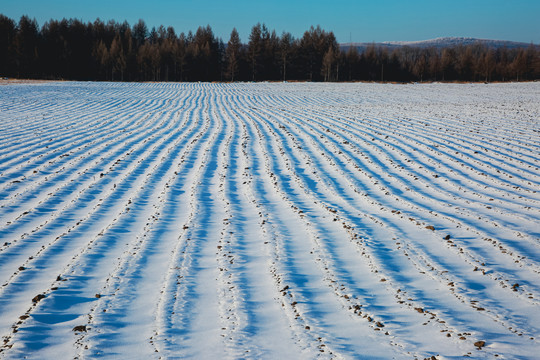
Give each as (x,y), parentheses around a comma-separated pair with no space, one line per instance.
(275,221)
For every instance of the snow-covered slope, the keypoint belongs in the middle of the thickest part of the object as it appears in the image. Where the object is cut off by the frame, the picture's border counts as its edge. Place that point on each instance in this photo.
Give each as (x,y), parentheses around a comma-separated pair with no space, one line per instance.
(269,220)
(455,41)
(440,43)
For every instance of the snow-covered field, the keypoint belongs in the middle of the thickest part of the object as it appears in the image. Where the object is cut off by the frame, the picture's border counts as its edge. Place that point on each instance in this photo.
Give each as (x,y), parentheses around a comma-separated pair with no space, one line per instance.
(276,221)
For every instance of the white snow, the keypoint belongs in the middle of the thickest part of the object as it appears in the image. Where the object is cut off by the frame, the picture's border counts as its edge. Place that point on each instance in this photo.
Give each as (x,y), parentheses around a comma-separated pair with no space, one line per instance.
(285,220)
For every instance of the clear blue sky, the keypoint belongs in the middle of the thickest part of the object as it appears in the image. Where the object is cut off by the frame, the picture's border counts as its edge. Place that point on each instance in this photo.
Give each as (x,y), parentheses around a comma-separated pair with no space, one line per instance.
(363,21)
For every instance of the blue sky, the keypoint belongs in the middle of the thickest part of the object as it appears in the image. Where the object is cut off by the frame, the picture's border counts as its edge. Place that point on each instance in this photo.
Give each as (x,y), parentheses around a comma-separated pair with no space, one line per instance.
(362,21)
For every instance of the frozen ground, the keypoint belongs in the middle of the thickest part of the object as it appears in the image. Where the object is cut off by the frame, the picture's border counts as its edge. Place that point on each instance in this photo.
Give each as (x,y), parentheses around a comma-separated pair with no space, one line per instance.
(275,221)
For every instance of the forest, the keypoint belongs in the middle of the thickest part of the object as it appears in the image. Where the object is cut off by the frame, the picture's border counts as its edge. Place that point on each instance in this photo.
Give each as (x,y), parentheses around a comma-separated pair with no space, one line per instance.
(70,49)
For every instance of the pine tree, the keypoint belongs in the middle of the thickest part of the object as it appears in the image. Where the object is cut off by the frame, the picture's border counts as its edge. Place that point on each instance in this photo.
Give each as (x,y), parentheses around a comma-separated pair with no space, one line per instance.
(140,33)
(233,54)
(26,47)
(254,50)
(285,47)
(8,32)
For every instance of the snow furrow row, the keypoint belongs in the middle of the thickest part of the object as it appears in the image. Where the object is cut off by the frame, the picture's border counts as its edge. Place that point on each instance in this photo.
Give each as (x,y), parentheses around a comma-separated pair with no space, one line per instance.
(269,220)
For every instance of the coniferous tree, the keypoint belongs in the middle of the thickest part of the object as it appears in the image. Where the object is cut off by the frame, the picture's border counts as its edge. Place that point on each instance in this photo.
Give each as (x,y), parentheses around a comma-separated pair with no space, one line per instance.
(233,55)
(130,54)
(308,49)
(26,47)
(70,49)
(254,50)
(313,46)
(53,41)
(268,59)
(352,61)
(272,48)
(181,55)
(140,33)
(369,63)
(8,32)
(286,44)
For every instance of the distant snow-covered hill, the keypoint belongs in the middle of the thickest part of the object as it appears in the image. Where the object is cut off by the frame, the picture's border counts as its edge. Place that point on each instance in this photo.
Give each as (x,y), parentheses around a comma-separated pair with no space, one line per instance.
(439,43)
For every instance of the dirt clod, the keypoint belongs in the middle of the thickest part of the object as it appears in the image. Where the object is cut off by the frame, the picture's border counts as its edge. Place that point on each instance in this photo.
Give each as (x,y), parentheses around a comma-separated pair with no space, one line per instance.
(480,344)
(38,298)
(80,328)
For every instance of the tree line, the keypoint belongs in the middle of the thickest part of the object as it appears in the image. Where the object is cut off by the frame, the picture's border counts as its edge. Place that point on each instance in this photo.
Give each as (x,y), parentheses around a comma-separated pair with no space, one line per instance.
(73,50)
